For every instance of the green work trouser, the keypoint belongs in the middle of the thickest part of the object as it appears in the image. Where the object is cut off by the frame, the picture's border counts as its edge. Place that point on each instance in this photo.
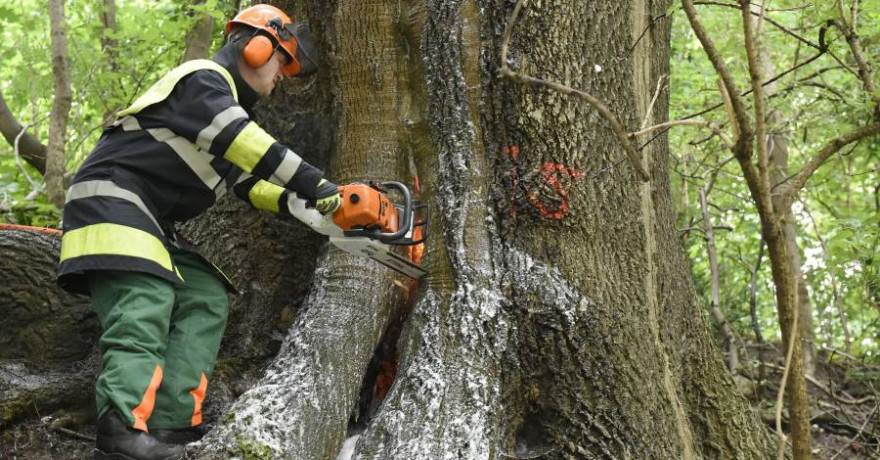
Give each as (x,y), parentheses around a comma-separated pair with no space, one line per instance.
(160,342)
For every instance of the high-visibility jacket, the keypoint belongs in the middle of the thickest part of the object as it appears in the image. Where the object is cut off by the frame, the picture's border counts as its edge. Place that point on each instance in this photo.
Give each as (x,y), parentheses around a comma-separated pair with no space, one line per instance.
(179,147)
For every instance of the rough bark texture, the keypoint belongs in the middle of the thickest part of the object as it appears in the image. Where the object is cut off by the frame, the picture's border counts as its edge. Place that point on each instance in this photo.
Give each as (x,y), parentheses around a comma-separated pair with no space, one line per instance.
(46,348)
(41,323)
(54,175)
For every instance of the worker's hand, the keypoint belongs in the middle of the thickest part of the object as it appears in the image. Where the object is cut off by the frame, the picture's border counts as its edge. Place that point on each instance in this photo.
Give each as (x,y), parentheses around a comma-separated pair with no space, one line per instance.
(327,199)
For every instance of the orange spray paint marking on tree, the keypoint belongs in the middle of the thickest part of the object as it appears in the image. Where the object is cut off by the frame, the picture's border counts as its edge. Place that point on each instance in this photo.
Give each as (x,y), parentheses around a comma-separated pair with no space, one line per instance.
(549,172)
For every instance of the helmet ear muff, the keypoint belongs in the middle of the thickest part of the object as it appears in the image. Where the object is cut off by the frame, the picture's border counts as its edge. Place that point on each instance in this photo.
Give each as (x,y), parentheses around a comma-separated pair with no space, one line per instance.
(258,51)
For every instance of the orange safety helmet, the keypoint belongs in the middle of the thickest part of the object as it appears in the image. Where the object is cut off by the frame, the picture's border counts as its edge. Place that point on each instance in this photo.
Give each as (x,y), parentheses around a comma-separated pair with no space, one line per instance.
(274,29)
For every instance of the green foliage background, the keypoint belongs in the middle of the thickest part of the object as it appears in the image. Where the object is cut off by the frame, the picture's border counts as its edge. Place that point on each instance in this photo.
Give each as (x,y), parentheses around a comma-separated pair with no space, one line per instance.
(838,208)
(150,37)
(837,216)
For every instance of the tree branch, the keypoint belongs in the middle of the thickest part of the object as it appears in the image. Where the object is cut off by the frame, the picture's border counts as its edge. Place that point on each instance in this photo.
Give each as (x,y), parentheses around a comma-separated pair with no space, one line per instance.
(31,149)
(779,26)
(718,63)
(791,187)
(723,324)
(706,124)
(15,144)
(616,125)
(855,47)
(755,71)
(657,92)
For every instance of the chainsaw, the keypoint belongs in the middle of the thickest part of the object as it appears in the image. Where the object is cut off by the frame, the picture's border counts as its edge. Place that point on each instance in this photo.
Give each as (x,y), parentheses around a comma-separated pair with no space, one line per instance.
(368,223)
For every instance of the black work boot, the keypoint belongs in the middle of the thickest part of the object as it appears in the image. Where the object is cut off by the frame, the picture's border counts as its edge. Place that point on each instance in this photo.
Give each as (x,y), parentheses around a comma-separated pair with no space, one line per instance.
(116,441)
(180,435)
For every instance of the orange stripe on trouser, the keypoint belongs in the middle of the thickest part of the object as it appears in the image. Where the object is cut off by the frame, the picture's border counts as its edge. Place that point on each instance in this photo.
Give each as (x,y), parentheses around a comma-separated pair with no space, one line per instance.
(143,411)
(199,396)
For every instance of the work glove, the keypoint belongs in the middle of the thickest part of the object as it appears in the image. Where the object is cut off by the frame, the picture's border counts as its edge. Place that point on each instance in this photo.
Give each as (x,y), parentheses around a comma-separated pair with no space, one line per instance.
(327,199)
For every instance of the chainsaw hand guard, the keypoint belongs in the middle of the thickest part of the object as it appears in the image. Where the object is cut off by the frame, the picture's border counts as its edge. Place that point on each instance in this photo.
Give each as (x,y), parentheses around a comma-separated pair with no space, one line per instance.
(373,215)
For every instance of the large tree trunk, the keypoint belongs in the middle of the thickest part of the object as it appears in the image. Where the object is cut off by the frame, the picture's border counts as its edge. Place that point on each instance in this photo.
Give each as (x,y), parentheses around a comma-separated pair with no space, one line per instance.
(558,318)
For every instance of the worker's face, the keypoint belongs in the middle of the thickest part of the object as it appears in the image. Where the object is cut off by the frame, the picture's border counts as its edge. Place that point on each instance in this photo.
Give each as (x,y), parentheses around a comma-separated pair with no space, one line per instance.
(263,79)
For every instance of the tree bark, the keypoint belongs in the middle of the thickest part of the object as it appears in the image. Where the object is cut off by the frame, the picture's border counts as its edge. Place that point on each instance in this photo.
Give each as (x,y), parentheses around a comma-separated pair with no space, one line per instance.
(47,358)
(54,176)
(557,319)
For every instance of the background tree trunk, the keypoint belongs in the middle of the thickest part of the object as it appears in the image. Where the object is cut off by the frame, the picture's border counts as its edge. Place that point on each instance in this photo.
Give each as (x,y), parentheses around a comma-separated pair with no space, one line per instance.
(777,150)
(54,176)
(109,46)
(198,40)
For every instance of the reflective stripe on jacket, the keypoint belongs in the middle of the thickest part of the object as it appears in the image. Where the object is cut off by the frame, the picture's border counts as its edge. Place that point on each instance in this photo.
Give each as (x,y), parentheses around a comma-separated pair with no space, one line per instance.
(169,156)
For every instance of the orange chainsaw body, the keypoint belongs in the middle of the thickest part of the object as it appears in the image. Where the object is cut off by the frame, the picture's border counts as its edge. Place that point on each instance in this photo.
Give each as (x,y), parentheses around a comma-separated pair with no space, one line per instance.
(365,207)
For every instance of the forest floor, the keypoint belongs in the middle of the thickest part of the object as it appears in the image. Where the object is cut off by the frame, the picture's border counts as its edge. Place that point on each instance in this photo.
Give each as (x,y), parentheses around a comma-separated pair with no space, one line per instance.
(846,411)
(845,402)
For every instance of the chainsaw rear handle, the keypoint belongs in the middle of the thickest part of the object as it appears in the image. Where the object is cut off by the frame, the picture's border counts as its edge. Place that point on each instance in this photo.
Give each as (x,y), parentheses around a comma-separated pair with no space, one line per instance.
(403,225)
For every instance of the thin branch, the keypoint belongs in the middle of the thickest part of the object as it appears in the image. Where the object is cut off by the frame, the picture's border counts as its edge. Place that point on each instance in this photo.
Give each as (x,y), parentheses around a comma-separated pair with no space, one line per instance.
(823,48)
(768,82)
(746,93)
(855,46)
(723,324)
(835,285)
(720,167)
(840,97)
(706,124)
(755,71)
(32,150)
(34,185)
(867,419)
(657,91)
(824,388)
(753,294)
(616,125)
(721,68)
(779,26)
(793,186)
